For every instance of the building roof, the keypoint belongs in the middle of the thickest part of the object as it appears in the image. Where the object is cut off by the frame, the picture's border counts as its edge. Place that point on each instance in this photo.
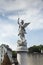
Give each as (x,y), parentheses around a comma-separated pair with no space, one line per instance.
(6,46)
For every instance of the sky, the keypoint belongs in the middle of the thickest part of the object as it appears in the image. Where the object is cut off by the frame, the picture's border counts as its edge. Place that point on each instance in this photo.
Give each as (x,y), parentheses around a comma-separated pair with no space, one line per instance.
(27,10)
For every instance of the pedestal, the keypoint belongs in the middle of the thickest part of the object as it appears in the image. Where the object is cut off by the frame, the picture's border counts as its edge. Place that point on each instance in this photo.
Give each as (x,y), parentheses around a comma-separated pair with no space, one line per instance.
(22,55)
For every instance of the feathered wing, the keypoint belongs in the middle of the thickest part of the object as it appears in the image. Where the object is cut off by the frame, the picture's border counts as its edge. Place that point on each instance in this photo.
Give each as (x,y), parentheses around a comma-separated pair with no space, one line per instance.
(26,24)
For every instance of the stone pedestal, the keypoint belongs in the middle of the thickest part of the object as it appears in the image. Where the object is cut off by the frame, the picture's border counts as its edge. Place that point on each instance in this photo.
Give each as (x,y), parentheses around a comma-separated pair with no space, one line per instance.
(22,55)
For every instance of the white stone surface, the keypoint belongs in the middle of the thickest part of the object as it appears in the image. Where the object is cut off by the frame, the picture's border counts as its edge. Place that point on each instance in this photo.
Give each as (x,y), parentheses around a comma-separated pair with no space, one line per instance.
(22,48)
(41,51)
(22,55)
(22,58)
(35,59)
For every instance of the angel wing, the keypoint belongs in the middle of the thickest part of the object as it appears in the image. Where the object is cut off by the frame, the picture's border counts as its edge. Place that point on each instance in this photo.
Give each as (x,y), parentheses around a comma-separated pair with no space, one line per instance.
(26,24)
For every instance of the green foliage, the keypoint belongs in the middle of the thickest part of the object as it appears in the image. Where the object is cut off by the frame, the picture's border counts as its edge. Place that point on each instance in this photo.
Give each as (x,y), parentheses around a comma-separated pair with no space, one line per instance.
(14,54)
(35,49)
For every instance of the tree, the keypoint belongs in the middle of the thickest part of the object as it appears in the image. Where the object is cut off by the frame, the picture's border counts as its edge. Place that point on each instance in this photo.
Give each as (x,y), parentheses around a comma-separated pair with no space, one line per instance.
(35,49)
(6,60)
(14,54)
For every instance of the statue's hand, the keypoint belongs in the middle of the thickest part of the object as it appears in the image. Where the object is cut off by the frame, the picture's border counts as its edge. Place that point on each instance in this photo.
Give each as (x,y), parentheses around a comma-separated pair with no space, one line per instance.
(18,20)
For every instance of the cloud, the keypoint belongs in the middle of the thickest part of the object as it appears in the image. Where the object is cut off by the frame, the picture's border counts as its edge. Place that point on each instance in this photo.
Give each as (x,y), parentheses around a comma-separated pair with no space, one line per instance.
(11,45)
(8,34)
(7,30)
(12,5)
(28,10)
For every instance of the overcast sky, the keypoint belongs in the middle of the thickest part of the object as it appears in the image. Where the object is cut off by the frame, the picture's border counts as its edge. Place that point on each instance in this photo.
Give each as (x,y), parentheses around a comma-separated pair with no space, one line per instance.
(29,11)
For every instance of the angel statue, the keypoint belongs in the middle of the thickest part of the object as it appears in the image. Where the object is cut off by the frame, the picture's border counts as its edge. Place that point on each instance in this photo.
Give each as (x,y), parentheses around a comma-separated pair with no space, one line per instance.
(22,30)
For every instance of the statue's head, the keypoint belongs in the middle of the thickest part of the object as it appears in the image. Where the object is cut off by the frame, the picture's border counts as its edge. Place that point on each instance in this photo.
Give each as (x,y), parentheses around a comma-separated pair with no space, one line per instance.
(22,21)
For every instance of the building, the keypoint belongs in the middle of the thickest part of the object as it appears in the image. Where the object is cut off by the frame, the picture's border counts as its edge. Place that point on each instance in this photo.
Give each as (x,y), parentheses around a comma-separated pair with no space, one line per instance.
(41,50)
(5,49)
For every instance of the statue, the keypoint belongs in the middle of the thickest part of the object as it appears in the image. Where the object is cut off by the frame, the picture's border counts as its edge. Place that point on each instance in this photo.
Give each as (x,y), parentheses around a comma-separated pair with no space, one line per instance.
(22,30)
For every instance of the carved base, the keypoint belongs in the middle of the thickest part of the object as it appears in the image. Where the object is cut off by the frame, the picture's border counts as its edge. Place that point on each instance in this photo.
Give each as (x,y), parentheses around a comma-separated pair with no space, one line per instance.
(22,49)
(22,55)
(21,43)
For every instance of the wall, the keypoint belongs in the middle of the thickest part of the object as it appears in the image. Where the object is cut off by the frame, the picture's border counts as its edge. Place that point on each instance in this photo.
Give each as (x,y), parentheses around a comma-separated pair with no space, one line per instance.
(35,59)
(9,55)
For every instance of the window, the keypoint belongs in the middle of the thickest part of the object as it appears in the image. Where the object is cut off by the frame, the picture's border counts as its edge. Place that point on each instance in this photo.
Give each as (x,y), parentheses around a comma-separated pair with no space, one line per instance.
(2,47)
(1,59)
(1,55)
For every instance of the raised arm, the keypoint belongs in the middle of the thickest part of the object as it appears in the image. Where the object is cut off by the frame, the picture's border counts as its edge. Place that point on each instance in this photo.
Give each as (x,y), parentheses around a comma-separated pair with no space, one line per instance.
(18,20)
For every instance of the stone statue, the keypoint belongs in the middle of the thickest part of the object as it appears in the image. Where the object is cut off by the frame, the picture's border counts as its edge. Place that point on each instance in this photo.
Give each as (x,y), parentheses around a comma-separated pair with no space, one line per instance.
(22,30)
(22,44)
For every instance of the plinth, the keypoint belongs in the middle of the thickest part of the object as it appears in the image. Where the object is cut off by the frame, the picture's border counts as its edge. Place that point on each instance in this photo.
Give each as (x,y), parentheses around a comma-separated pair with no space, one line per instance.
(22,54)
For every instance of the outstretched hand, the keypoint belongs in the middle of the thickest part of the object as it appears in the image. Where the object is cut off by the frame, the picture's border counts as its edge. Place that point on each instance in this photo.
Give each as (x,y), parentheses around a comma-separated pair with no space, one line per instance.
(18,20)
